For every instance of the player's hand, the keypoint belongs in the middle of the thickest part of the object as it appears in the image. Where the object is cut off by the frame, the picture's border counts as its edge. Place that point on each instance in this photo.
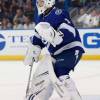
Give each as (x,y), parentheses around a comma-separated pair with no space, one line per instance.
(32,54)
(28,60)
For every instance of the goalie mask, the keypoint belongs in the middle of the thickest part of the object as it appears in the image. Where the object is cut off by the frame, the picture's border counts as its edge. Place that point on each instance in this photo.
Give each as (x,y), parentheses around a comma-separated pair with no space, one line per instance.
(43,5)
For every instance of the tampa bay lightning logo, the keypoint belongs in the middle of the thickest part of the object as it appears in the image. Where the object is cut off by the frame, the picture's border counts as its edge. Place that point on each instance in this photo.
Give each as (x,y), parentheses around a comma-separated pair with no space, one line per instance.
(58,11)
(2,42)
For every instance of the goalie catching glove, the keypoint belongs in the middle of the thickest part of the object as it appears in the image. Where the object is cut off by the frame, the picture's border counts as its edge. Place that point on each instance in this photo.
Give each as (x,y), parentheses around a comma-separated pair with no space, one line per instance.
(49,34)
(32,54)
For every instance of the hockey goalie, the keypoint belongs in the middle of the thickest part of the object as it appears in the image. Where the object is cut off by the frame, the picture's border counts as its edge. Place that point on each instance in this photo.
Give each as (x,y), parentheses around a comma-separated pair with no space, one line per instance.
(56,32)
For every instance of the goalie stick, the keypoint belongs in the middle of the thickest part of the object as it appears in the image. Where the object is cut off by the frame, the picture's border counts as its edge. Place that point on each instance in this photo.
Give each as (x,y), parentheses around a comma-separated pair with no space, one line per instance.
(29,78)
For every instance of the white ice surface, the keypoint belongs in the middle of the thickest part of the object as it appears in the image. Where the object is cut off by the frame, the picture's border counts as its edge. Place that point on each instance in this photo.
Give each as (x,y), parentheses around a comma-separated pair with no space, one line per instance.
(14,75)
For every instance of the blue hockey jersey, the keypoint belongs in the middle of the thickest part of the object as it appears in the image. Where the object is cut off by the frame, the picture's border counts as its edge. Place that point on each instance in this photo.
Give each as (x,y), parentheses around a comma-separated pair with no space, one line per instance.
(60,20)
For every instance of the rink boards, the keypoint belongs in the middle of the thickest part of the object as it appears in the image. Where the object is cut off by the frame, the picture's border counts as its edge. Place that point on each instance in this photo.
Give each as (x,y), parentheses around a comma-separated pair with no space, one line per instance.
(13,43)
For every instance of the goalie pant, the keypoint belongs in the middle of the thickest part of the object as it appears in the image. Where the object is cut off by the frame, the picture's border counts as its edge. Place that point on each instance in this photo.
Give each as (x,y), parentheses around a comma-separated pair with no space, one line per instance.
(63,64)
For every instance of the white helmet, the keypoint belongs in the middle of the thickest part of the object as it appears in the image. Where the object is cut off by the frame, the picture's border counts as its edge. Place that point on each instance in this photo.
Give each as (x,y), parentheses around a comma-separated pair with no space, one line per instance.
(43,5)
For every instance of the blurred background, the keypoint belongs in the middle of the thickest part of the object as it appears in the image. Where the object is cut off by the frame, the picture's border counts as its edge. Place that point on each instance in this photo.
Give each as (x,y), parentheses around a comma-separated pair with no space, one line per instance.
(19,14)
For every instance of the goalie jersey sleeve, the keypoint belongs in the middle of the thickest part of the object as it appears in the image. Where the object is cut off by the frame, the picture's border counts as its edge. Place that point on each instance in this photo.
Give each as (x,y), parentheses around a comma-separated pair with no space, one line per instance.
(36,40)
(59,19)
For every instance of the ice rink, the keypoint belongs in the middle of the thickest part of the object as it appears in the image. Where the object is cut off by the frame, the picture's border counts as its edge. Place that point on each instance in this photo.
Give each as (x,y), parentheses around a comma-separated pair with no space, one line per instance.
(14,75)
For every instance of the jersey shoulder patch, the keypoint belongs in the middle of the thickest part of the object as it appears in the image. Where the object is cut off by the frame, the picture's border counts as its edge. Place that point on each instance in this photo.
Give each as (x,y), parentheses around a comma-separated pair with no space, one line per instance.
(58,11)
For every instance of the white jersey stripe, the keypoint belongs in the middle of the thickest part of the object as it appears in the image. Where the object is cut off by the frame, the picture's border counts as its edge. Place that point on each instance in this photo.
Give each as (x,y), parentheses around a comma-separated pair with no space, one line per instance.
(69,46)
(68,27)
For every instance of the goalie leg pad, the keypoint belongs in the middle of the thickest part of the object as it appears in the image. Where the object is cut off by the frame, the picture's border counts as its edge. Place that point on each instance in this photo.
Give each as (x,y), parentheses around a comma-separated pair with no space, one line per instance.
(43,94)
(41,86)
(70,89)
